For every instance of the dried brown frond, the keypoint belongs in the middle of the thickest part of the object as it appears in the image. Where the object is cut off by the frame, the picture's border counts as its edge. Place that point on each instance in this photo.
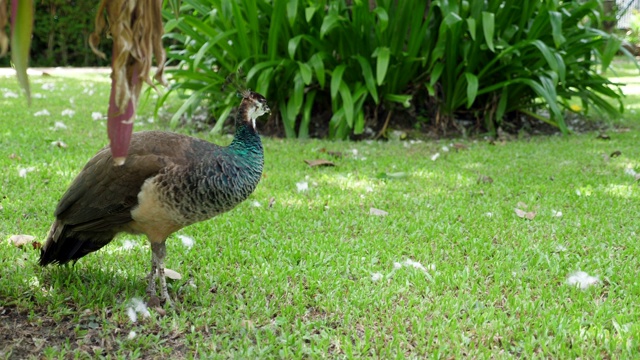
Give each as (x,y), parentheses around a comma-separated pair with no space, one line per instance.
(136,29)
(4,40)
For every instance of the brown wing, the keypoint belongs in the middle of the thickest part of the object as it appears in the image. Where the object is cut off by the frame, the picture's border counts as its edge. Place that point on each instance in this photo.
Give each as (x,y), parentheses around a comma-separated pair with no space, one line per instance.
(102,195)
(99,201)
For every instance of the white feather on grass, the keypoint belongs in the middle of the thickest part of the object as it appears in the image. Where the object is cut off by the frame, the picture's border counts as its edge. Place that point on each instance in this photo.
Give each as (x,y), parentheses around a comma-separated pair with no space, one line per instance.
(187,241)
(302,186)
(68,112)
(582,280)
(376,276)
(137,306)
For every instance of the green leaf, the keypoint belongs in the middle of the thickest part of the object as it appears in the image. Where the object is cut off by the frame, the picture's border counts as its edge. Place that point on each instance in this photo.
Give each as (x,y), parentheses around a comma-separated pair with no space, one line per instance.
(383,17)
(170,24)
(303,132)
(221,119)
(292,11)
(336,79)
(382,64)
(295,102)
(21,29)
(318,66)
(358,126)
(550,57)
(472,88)
(330,21)
(368,77)
(288,122)
(548,93)
(488,27)
(435,73)
(305,72)
(191,101)
(261,66)
(293,45)
(264,81)
(308,13)
(611,49)
(405,100)
(203,50)
(556,28)
(430,89)
(502,105)
(337,127)
(471,24)
(242,35)
(452,19)
(174,5)
(275,26)
(347,103)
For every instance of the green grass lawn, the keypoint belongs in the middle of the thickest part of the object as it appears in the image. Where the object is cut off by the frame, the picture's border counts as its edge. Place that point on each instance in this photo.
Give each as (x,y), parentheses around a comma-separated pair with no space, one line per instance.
(451,271)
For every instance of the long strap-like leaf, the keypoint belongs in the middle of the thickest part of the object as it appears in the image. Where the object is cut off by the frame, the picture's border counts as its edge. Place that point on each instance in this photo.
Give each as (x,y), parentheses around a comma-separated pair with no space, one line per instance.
(21,28)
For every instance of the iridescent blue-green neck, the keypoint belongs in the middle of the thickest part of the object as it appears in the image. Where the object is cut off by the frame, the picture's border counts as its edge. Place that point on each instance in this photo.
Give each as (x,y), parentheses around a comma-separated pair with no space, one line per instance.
(246,138)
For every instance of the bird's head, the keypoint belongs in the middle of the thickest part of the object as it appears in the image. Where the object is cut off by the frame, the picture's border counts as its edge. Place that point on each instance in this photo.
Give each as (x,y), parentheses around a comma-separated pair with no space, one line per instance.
(255,106)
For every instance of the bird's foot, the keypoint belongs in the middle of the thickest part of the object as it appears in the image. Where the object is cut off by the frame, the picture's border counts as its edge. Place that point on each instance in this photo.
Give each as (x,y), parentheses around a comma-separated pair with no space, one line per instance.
(167,300)
(157,301)
(154,301)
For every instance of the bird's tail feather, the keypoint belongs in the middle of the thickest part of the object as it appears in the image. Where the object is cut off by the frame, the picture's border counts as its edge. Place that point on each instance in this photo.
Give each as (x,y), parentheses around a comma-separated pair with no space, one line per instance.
(64,244)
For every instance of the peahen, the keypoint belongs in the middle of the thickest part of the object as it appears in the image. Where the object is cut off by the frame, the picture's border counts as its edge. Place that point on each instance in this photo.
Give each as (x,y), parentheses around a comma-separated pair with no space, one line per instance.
(169,181)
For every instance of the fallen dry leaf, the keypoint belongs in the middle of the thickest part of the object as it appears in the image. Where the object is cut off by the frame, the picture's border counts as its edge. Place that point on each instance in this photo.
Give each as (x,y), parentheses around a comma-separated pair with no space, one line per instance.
(271,202)
(499,142)
(172,274)
(637,177)
(36,245)
(460,146)
(246,324)
(153,302)
(21,240)
(319,162)
(615,153)
(603,136)
(522,205)
(525,215)
(377,212)
(485,179)
(337,154)
(159,310)
(60,144)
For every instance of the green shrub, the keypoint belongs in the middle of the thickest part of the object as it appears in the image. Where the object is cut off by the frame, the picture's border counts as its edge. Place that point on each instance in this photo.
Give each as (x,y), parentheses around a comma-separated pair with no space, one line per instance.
(485,58)
(633,33)
(60,35)
(500,56)
(295,54)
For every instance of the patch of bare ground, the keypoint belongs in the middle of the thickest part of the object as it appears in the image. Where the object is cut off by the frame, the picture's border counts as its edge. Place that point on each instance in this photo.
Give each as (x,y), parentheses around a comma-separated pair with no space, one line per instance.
(27,335)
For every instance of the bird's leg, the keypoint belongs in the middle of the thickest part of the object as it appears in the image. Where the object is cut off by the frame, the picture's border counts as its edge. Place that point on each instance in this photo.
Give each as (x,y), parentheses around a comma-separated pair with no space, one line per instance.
(151,288)
(159,251)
